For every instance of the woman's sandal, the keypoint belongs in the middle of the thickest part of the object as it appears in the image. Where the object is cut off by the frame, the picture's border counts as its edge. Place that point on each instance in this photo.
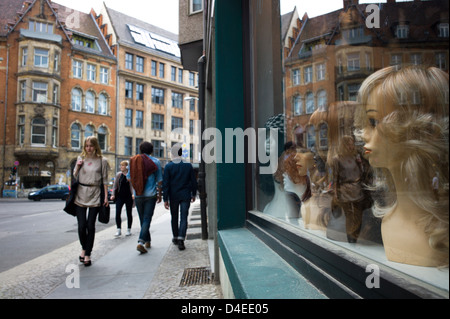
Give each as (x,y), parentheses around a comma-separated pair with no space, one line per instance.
(81,259)
(87,263)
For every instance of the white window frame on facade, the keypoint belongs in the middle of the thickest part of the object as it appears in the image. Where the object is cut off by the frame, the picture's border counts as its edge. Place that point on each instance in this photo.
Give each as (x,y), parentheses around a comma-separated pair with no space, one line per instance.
(308,74)
(23,91)
(102,135)
(298,105)
(40,94)
(353,62)
(77,69)
(21,130)
(443,30)
(310,103)
(195,6)
(402,31)
(89,102)
(76,99)
(41,57)
(54,132)
(24,56)
(89,130)
(139,64)
(320,68)
(91,72)
(322,100)
(104,75)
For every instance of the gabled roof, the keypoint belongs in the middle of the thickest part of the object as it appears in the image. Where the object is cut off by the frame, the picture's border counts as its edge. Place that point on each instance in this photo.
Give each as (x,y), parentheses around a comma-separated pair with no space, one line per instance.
(123,26)
(420,15)
(13,11)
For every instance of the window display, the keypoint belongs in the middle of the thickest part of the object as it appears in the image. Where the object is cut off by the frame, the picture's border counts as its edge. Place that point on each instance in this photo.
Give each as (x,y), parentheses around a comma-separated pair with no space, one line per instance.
(366,168)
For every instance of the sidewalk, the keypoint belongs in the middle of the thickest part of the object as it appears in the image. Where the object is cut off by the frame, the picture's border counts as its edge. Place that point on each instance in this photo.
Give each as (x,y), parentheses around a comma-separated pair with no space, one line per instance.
(164,272)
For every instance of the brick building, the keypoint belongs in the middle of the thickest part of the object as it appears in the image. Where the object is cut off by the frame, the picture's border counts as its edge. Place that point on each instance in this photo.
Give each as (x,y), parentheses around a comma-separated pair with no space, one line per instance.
(57,85)
(335,52)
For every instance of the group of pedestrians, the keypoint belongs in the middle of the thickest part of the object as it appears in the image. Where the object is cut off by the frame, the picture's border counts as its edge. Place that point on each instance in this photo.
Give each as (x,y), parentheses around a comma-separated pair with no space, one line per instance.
(140,183)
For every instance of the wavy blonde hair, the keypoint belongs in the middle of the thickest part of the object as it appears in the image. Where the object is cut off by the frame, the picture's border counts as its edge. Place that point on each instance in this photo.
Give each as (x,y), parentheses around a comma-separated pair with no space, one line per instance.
(419,124)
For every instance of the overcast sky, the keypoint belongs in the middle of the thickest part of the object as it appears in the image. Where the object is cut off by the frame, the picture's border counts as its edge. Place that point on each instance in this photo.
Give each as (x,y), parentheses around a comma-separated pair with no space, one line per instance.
(164,13)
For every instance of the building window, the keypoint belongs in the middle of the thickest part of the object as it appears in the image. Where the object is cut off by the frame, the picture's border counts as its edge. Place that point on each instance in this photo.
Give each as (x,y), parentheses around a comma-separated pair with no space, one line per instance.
(402,31)
(310,107)
(191,127)
(40,27)
(296,77)
(157,96)
(140,64)
(104,75)
(128,89)
(24,56)
(38,131)
(173,73)
(102,104)
(353,62)
(21,130)
(77,69)
(153,71)
(298,105)
(353,91)
(128,61)
(89,103)
(195,6)
(396,59)
(180,75)
(40,92)
(323,136)
(138,142)
(76,99)
(192,105)
(139,92)
(139,119)
(56,62)
(308,74)
(177,122)
(54,132)
(158,122)
(128,146)
(320,72)
(322,101)
(191,78)
(75,136)
(128,117)
(55,99)
(89,131)
(23,90)
(102,135)
(41,58)
(443,30)
(91,72)
(158,148)
(177,100)
(416,58)
(161,70)
(441,61)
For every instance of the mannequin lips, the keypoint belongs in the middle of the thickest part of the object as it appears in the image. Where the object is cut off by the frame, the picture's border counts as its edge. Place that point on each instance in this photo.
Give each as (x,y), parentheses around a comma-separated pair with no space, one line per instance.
(367,150)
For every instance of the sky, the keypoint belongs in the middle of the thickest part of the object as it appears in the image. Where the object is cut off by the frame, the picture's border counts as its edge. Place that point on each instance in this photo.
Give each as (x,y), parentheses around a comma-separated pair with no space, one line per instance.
(164,13)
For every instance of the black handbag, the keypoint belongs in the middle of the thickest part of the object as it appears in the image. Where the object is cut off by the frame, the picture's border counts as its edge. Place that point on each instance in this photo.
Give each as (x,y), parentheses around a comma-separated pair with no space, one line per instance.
(104,212)
(70,207)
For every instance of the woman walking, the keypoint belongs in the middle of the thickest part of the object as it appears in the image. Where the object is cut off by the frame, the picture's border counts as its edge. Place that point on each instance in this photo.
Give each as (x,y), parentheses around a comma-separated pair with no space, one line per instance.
(89,170)
(123,193)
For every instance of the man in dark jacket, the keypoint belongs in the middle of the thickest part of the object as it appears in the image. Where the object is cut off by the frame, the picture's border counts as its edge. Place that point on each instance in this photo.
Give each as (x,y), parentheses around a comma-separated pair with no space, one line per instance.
(179,190)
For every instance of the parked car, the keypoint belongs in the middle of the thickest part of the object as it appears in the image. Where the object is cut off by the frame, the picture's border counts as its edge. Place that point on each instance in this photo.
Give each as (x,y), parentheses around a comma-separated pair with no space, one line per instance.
(50,192)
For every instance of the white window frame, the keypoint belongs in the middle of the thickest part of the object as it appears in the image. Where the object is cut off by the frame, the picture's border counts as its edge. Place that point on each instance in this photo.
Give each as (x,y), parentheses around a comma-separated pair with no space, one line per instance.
(195,6)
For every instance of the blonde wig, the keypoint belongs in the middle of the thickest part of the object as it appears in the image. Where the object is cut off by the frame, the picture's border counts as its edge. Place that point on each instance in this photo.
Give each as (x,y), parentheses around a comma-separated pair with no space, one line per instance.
(417,122)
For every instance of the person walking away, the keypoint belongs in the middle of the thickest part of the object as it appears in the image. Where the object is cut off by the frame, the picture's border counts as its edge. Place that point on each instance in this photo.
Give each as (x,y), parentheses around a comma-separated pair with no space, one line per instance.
(89,169)
(145,176)
(179,190)
(123,194)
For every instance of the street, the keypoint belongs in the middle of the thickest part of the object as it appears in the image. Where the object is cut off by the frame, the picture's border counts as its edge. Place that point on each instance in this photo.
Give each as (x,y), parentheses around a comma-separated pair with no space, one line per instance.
(38,241)
(30,229)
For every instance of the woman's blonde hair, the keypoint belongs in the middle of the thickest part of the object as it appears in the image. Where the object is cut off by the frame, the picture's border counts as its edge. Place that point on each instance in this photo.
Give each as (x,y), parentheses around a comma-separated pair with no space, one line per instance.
(419,124)
(124,163)
(94,141)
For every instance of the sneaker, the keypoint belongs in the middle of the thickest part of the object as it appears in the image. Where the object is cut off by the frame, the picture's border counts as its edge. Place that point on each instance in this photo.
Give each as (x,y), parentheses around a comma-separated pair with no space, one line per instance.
(118,232)
(141,248)
(181,245)
(147,245)
(128,232)
(175,241)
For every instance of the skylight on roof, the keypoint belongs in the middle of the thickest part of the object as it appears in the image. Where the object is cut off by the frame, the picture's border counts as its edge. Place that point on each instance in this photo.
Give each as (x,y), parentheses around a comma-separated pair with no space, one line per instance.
(154,41)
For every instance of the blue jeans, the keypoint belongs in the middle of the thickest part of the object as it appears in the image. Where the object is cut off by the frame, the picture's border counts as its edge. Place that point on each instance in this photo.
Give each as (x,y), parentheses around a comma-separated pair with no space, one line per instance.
(145,207)
(179,232)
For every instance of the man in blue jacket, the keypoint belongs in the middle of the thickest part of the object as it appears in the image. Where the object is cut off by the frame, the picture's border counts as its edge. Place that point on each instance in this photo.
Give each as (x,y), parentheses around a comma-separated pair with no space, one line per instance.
(179,190)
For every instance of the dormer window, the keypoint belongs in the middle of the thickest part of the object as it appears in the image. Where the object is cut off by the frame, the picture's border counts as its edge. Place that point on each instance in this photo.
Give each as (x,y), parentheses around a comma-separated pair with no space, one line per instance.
(402,31)
(443,30)
(43,27)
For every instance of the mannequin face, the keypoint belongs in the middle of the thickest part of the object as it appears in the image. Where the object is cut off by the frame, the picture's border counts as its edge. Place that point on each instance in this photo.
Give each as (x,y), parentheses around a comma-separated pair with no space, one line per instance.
(378,149)
(302,160)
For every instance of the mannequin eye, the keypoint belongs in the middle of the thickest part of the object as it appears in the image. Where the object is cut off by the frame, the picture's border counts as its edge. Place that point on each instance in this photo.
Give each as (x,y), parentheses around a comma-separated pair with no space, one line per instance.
(373,122)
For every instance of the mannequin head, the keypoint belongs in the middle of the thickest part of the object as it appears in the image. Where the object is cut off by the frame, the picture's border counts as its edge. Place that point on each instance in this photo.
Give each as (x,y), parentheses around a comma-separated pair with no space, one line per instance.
(403,121)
